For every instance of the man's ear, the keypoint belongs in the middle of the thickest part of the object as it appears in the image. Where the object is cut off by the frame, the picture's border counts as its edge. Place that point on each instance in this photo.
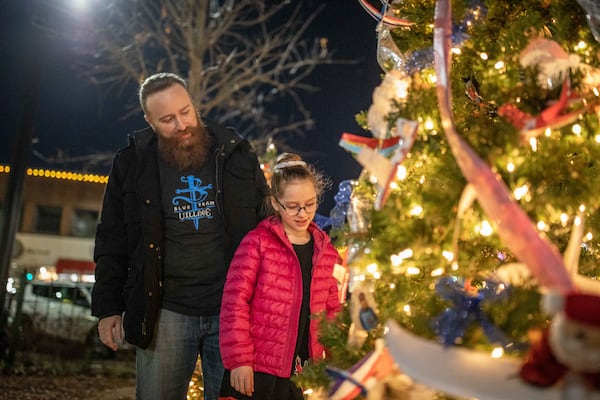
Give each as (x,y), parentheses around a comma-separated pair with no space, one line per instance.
(149,121)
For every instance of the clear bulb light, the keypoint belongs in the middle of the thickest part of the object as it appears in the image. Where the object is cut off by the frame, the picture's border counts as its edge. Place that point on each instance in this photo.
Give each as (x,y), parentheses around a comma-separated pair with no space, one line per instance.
(541,225)
(485,229)
(429,124)
(416,210)
(564,218)
(533,143)
(448,255)
(497,352)
(401,173)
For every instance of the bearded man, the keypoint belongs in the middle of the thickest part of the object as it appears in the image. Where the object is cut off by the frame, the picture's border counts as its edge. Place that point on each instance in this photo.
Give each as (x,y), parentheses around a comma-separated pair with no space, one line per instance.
(179,199)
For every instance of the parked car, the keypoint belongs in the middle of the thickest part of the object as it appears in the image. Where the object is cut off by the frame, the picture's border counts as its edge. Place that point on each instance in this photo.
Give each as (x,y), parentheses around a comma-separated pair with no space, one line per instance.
(58,309)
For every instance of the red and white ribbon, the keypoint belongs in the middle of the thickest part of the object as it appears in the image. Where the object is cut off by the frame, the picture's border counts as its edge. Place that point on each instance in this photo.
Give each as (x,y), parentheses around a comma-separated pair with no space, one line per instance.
(514,226)
(387,19)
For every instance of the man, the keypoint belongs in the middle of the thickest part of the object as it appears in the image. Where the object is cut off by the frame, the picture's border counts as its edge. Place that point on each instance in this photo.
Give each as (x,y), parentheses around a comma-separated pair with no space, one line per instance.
(179,199)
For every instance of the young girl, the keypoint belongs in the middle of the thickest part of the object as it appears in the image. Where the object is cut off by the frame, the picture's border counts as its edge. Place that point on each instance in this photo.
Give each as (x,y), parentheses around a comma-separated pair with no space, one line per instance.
(280,276)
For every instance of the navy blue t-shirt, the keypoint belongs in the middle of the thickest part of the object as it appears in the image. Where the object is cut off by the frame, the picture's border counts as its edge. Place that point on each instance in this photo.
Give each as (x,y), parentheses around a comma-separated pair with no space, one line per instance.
(194,267)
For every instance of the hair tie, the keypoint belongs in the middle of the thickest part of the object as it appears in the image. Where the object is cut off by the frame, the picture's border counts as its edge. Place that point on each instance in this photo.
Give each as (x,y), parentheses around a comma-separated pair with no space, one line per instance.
(286,164)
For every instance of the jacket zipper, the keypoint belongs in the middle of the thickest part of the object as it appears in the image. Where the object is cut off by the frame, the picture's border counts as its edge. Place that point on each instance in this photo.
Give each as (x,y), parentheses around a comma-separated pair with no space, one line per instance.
(219,152)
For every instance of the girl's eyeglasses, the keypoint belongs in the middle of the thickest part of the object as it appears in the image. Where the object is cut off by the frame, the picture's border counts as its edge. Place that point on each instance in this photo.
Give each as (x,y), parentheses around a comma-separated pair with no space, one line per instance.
(295,211)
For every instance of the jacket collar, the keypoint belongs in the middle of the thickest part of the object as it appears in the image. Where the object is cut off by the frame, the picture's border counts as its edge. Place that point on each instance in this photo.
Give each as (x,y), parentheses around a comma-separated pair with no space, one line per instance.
(274,224)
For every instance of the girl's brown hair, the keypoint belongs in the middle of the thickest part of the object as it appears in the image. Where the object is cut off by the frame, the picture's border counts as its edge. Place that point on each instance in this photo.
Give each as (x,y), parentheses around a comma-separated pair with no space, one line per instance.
(290,167)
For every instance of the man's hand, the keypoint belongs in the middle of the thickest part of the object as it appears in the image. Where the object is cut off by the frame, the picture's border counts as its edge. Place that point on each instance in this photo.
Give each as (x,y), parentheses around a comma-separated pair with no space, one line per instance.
(110,331)
(242,380)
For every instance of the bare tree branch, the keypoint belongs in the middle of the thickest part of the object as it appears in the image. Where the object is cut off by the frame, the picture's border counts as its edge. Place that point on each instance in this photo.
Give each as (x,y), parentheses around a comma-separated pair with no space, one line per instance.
(243,59)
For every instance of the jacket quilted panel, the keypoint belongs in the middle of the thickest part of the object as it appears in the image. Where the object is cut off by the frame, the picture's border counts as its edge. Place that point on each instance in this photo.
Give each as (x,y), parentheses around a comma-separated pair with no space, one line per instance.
(263,295)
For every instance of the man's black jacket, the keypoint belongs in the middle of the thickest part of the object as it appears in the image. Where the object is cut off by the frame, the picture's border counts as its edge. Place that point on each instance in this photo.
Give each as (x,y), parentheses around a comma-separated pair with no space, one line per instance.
(130,234)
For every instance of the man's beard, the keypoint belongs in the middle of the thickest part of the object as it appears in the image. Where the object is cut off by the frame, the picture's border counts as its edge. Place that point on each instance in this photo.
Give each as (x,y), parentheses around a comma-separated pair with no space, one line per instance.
(189,156)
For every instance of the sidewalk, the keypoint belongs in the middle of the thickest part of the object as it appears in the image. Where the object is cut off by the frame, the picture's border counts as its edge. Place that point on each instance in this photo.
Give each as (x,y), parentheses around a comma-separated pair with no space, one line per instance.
(121,393)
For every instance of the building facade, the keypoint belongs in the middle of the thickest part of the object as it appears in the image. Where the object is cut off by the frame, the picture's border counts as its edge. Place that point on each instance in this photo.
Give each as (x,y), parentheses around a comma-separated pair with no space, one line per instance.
(56,222)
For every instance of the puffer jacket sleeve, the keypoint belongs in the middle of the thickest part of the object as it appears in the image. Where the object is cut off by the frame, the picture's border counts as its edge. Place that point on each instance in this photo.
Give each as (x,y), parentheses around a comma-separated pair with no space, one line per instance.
(237,347)
(333,300)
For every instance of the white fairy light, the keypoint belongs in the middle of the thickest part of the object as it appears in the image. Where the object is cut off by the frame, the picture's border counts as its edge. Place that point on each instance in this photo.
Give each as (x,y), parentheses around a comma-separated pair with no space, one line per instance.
(510,166)
(548,132)
(589,236)
(430,77)
(564,218)
(401,173)
(396,260)
(485,229)
(497,352)
(416,211)
(520,192)
(448,255)
(483,56)
(406,253)
(406,309)
(576,129)
(372,268)
(413,271)
(429,124)
(533,143)
(454,266)
(499,65)
(541,225)
(437,272)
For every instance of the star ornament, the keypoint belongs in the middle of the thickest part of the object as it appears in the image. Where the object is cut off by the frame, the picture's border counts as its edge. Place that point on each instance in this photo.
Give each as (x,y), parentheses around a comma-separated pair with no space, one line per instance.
(382,157)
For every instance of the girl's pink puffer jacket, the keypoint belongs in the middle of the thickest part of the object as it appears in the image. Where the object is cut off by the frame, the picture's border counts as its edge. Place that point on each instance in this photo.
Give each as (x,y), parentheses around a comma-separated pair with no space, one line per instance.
(262,299)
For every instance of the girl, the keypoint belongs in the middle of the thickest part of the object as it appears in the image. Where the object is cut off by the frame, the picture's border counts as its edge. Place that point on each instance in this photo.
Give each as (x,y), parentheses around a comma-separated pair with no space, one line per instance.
(281,274)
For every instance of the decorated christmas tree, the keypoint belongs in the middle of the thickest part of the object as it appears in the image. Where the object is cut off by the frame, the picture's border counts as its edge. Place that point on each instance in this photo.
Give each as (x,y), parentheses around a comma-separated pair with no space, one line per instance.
(478,199)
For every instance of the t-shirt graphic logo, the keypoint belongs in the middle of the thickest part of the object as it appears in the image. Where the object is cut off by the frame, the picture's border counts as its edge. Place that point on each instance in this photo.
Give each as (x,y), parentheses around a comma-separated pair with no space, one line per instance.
(194,207)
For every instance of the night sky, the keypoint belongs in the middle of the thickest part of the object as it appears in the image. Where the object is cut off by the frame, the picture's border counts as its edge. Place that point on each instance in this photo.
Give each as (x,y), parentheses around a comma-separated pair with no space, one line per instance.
(72,117)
